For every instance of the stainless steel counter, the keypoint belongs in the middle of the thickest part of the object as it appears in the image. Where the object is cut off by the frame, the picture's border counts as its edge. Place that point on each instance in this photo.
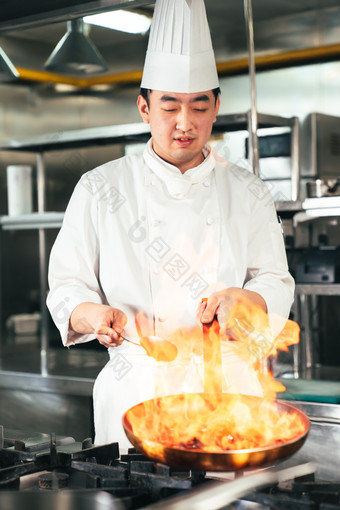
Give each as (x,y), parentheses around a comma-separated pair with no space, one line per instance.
(69,371)
(61,400)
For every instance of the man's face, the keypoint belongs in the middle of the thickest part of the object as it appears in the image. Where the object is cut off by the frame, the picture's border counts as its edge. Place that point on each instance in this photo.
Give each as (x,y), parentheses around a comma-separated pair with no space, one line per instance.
(180,124)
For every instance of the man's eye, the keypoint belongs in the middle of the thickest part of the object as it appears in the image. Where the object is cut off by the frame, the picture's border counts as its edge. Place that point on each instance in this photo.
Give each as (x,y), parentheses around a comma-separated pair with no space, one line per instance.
(169,109)
(200,109)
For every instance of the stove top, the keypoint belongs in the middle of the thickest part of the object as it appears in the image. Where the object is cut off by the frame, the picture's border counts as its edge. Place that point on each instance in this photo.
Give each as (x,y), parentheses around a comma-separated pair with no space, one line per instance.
(41,464)
(41,471)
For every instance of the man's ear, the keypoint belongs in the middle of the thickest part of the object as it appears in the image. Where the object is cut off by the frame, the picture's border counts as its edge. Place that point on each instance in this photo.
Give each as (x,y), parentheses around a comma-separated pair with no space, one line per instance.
(217,107)
(143,108)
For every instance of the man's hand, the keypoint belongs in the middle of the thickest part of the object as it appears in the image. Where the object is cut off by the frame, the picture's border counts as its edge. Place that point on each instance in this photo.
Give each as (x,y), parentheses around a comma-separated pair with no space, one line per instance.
(222,304)
(104,321)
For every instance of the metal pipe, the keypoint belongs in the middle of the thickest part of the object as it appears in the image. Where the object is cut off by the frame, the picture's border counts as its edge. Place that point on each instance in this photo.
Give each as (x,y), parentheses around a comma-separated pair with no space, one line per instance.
(2,329)
(42,267)
(295,155)
(252,125)
(307,351)
(43,294)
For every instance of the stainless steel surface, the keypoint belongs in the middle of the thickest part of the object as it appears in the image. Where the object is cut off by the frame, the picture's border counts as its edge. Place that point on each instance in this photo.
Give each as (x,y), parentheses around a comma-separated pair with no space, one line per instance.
(289,205)
(314,215)
(305,353)
(51,403)
(7,69)
(217,495)
(318,410)
(44,333)
(278,26)
(321,203)
(322,187)
(75,53)
(41,185)
(324,143)
(322,444)
(318,289)
(60,401)
(78,138)
(317,208)
(34,221)
(2,318)
(58,384)
(307,358)
(41,13)
(253,120)
(133,132)
(140,131)
(295,160)
(56,500)
(20,367)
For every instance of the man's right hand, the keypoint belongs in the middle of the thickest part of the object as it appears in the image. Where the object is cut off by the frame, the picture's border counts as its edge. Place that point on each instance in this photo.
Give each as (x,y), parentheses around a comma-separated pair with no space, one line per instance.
(105,322)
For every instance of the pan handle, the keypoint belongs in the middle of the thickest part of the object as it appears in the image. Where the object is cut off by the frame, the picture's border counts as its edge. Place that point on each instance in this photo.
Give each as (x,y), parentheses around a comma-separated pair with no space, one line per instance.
(216,495)
(212,356)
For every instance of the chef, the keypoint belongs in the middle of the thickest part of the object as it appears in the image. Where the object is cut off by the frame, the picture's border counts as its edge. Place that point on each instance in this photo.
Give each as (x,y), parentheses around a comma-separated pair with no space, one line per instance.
(147,236)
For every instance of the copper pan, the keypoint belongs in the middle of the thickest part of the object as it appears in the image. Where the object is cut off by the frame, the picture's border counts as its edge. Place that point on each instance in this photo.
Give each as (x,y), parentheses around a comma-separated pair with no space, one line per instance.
(230,460)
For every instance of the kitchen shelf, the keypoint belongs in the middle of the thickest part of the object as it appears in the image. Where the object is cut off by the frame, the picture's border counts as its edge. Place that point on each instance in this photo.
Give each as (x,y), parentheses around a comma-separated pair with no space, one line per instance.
(303,313)
(135,132)
(32,221)
(311,204)
(240,121)
(313,209)
(318,289)
(103,135)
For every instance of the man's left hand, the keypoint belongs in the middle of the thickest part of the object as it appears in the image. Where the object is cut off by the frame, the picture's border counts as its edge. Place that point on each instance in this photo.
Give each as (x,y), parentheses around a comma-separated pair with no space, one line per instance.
(222,304)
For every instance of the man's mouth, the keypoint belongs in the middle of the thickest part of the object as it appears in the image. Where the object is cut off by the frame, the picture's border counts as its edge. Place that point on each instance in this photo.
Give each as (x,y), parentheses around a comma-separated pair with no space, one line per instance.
(184,140)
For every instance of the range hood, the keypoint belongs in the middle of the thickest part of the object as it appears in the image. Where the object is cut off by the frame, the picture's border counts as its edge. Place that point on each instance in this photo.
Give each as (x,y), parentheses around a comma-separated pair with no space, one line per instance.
(23,14)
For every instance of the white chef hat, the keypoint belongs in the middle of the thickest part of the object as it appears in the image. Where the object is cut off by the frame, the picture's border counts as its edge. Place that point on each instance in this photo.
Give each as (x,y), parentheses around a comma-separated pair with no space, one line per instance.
(180,56)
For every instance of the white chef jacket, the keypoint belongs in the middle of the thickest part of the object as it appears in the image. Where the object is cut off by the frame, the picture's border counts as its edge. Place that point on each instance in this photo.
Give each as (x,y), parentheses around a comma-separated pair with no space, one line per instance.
(141,236)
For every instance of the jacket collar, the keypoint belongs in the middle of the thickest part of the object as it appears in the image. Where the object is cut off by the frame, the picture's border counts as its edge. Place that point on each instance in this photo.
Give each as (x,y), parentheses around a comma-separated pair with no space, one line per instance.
(178,184)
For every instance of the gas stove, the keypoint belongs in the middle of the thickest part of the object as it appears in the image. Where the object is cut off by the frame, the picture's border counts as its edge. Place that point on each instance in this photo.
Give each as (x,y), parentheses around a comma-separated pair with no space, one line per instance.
(42,471)
(33,466)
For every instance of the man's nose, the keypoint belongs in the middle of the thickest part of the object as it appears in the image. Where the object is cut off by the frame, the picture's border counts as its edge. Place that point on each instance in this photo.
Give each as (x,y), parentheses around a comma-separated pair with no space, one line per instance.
(184,120)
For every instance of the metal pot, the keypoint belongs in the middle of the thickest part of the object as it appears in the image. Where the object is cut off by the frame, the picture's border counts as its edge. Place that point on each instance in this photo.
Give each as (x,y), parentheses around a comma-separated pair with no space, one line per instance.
(231,460)
(322,188)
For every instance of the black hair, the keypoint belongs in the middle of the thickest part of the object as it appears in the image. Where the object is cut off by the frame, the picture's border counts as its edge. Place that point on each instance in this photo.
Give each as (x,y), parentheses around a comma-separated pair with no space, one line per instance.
(145,93)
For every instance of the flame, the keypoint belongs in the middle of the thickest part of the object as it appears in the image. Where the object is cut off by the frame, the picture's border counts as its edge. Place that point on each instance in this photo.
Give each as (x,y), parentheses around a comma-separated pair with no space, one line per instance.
(215,421)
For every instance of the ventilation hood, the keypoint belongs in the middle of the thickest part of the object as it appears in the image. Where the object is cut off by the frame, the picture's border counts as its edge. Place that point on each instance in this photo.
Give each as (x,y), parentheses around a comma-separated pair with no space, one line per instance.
(23,14)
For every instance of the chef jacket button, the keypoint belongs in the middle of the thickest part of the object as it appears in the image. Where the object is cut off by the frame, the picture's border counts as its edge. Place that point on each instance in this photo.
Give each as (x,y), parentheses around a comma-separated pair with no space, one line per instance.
(209,220)
(155,223)
(206,183)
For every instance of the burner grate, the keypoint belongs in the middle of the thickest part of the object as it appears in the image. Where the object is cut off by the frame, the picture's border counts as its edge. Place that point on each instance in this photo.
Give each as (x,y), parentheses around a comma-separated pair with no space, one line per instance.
(47,466)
